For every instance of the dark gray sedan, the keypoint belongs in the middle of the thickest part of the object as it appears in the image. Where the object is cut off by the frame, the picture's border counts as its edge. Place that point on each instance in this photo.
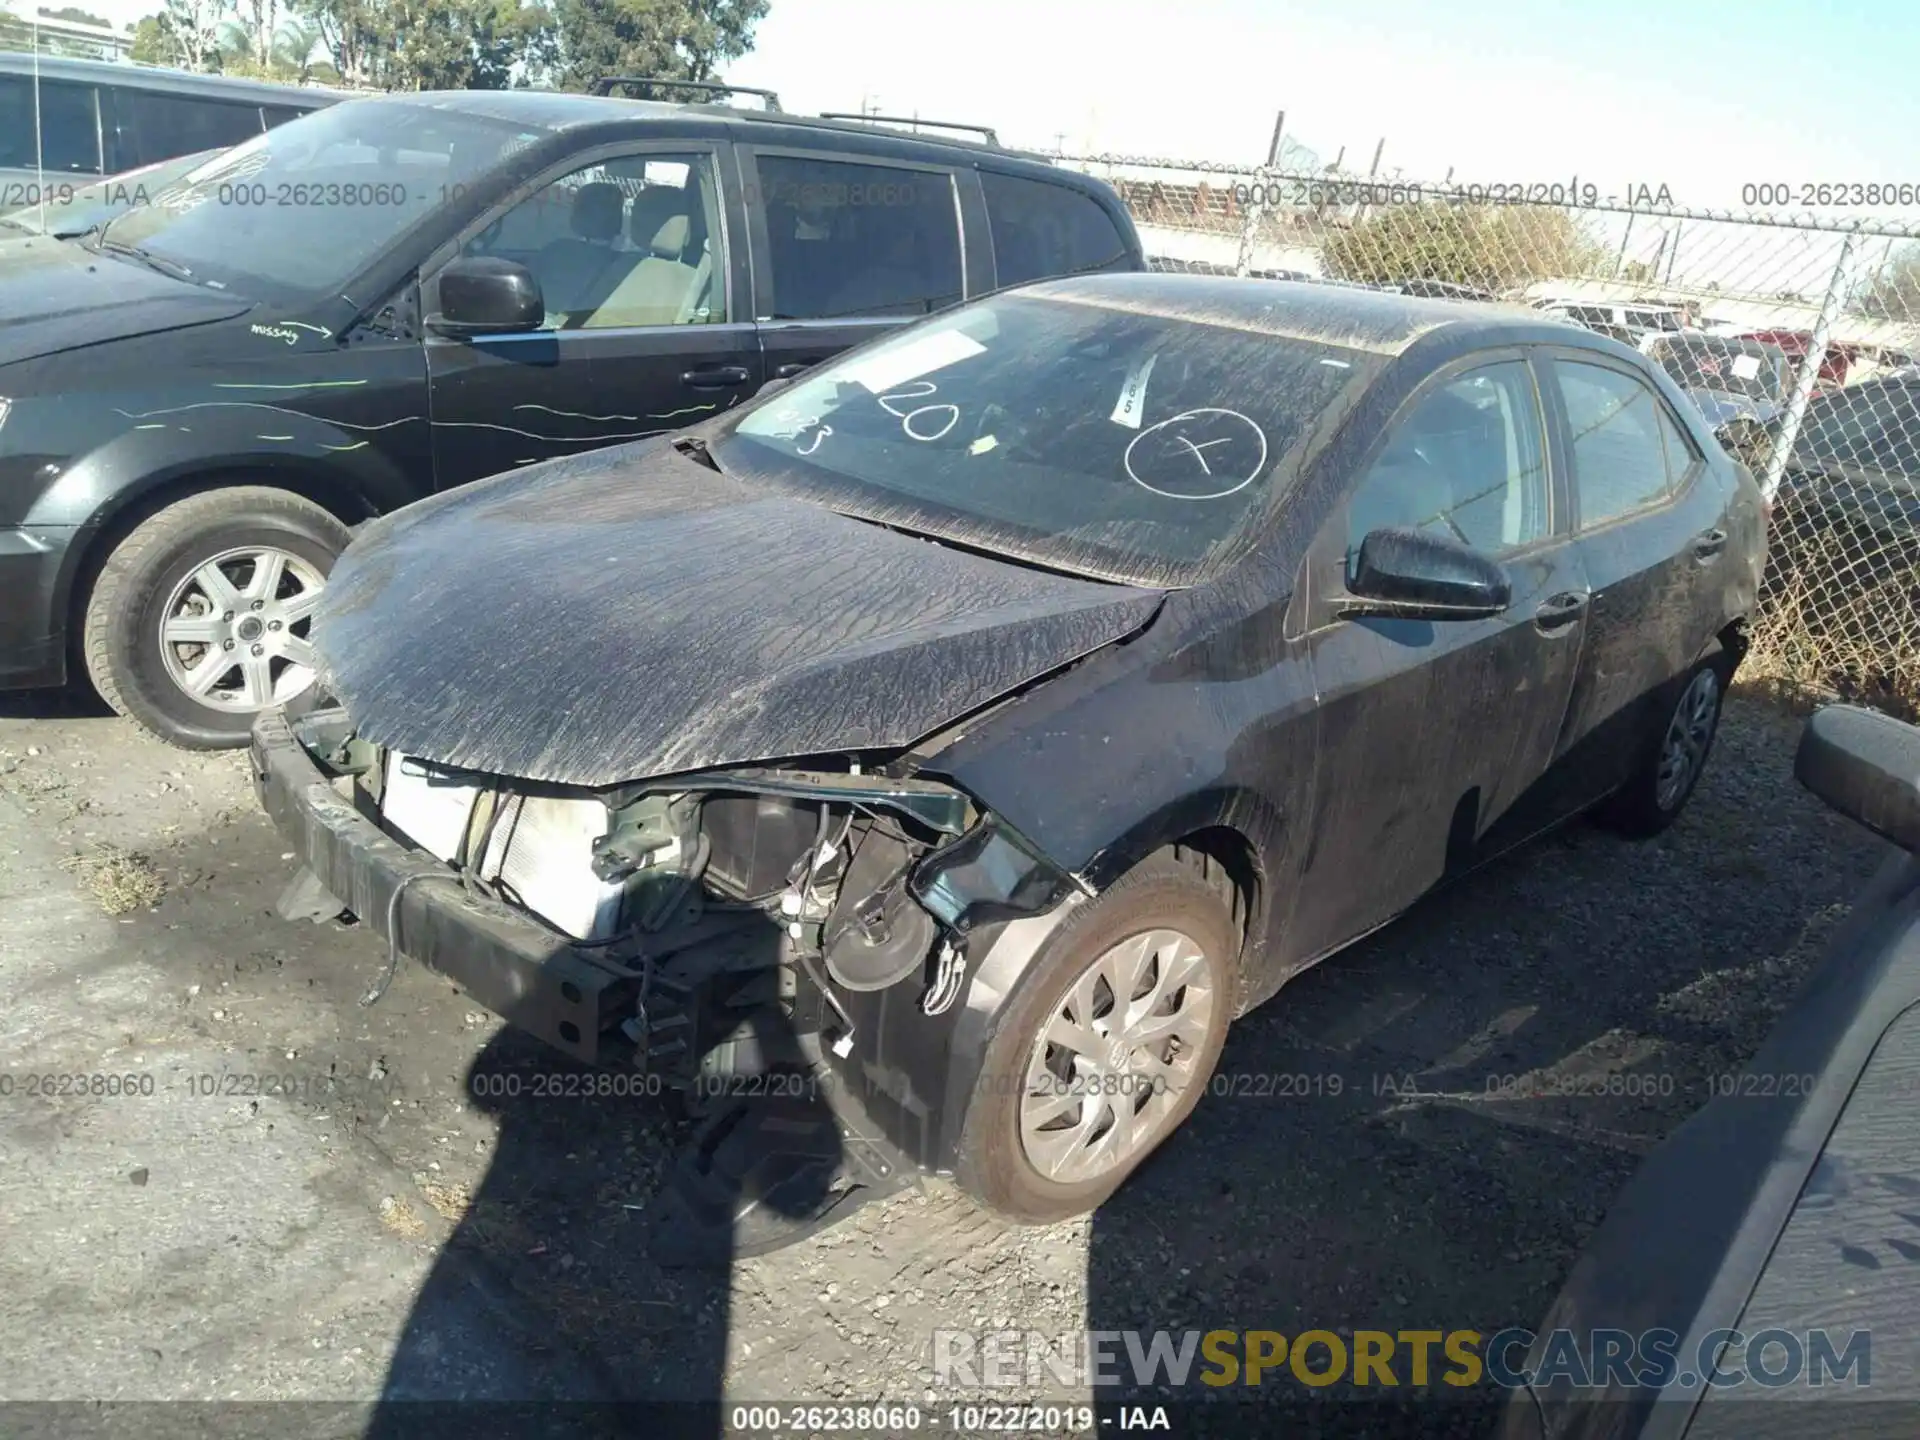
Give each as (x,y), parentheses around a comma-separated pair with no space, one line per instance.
(1022,697)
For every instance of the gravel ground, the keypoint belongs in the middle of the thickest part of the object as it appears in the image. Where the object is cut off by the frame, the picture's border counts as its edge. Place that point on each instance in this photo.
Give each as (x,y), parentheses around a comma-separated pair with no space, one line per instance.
(372,1229)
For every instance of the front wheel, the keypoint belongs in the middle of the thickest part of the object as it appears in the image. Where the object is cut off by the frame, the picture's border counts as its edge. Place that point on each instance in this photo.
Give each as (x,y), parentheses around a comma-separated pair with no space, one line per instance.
(201,617)
(1106,1045)
(1670,769)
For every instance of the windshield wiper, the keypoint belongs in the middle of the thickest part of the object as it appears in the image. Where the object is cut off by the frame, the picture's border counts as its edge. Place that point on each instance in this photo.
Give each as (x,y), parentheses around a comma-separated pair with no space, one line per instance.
(152,261)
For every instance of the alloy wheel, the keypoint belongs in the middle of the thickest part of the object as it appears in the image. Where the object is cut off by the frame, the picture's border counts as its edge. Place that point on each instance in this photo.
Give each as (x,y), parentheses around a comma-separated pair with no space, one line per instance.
(1107,1072)
(234,633)
(1689,733)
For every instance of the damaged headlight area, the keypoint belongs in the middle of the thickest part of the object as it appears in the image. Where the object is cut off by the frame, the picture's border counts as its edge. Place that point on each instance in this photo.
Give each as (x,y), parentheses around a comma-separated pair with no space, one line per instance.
(732,910)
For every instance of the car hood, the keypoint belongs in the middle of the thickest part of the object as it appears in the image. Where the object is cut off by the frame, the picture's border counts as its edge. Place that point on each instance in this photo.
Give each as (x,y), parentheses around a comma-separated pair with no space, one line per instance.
(634,613)
(56,295)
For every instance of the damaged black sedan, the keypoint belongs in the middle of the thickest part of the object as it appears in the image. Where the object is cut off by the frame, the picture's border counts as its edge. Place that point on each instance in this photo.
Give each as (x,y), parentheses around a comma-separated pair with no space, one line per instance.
(982,722)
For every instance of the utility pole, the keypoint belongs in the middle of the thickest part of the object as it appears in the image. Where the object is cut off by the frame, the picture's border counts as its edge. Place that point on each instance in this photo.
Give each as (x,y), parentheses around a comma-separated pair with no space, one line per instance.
(1273,146)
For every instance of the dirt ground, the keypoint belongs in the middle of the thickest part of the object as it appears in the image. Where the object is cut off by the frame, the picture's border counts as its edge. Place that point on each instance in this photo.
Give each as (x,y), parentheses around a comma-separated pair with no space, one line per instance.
(356,1224)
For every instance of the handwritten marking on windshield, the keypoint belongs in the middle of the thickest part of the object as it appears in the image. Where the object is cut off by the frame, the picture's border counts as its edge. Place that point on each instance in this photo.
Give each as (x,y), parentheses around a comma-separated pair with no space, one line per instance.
(1196,449)
(1170,452)
(907,417)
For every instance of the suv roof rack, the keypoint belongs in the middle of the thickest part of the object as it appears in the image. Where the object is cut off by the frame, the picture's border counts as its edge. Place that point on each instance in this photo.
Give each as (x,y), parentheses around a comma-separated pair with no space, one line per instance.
(606,84)
(983,131)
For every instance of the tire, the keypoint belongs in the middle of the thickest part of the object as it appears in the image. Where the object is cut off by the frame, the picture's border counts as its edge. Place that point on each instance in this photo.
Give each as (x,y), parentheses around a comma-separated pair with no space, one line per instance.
(1182,895)
(154,574)
(1652,800)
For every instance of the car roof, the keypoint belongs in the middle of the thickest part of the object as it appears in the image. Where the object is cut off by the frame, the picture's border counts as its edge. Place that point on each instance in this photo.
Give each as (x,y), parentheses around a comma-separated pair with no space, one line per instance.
(1351,317)
(159,79)
(563,110)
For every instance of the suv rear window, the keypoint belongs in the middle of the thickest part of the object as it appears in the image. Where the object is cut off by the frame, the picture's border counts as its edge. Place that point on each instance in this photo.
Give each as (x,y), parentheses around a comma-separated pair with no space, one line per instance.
(849,239)
(156,127)
(1040,230)
(69,128)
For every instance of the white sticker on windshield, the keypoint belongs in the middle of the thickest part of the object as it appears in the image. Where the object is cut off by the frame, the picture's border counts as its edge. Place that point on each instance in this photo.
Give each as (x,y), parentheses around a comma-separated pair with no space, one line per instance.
(1746,366)
(1132,403)
(910,360)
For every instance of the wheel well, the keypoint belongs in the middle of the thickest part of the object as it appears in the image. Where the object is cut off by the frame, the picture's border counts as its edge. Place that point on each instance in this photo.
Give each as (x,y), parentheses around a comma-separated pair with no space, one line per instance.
(343,502)
(1734,639)
(1226,858)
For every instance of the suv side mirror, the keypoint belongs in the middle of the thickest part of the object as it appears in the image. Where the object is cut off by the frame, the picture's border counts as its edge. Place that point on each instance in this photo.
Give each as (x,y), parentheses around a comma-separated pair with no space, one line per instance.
(1866,766)
(1413,575)
(485,295)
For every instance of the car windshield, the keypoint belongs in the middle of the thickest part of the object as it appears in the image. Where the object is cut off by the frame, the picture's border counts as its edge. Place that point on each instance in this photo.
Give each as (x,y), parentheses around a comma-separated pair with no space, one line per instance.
(1729,367)
(83,206)
(300,210)
(1082,436)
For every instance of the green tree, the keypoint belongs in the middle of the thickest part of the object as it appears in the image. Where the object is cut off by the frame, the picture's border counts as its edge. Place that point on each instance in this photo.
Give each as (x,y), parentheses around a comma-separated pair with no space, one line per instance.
(75,14)
(675,39)
(1492,247)
(152,44)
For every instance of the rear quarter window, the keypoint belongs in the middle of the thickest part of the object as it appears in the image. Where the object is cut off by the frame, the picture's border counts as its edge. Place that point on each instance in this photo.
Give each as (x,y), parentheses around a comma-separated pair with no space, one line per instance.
(1040,229)
(68,128)
(155,127)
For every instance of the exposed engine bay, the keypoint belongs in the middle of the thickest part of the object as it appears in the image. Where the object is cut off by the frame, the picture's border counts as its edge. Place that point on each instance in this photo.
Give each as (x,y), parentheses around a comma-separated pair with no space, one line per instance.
(731,910)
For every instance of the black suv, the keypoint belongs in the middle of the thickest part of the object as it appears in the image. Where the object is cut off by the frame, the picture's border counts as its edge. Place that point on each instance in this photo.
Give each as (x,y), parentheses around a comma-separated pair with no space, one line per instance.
(396,295)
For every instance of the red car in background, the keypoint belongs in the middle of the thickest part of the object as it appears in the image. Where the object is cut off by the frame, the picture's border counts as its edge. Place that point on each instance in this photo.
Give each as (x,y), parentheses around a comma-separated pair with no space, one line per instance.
(1796,343)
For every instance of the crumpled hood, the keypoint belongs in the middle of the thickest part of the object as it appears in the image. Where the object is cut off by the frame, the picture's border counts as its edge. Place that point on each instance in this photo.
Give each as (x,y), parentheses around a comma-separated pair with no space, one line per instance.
(633,613)
(55,295)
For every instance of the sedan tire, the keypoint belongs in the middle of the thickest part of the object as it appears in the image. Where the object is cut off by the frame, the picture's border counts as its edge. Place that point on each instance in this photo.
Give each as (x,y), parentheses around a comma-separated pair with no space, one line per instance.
(1107,1043)
(1671,765)
(200,618)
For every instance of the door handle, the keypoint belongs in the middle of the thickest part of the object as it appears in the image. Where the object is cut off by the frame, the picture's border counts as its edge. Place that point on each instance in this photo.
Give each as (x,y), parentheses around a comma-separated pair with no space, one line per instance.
(715,377)
(1710,544)
(791,369)
(1557,612)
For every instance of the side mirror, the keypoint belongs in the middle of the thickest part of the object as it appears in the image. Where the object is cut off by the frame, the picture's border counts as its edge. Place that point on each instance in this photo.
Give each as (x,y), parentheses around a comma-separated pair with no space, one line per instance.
(485,295)
(778,383)
(1417,576)
(1866,766)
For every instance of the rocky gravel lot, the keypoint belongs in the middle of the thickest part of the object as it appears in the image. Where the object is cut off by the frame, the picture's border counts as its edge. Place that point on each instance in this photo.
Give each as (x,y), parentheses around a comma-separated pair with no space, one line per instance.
(1375,1154)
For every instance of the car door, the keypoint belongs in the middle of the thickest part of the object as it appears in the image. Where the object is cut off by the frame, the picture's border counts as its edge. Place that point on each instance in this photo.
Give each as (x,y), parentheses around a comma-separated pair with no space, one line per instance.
(1650,540)
(631,247)
(847,247)
(1431,731)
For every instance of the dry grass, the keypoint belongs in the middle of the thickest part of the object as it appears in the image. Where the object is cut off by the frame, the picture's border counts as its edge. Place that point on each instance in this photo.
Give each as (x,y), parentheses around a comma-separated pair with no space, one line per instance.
(399,1217)
(1839,620)
(450,1198)
(119,879)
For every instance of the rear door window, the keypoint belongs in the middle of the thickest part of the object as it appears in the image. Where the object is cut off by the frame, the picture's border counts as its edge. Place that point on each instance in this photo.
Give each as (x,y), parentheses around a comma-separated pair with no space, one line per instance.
(1041,230)
(847,239)
(155,127)
(1619,451)
(68,126)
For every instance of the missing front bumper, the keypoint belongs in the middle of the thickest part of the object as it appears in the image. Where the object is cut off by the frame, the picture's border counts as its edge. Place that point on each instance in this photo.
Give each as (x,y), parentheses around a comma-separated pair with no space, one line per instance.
(569,996)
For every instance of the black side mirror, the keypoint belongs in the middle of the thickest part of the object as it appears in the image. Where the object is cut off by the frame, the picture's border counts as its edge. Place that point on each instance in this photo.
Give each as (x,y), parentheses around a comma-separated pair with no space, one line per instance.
(1866,766)
(1417,576)
(485,295)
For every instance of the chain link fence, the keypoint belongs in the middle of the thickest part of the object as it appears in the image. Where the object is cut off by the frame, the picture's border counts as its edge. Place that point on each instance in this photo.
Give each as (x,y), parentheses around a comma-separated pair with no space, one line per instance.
(1798,337)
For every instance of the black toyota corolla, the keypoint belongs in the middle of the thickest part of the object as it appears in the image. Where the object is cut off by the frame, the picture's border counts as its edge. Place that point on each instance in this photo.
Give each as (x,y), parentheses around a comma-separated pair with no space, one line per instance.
(1000,710)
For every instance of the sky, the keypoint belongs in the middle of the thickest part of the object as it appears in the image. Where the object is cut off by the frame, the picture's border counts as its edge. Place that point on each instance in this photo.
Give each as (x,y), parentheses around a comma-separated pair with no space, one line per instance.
(1702,96)
(1699,95)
